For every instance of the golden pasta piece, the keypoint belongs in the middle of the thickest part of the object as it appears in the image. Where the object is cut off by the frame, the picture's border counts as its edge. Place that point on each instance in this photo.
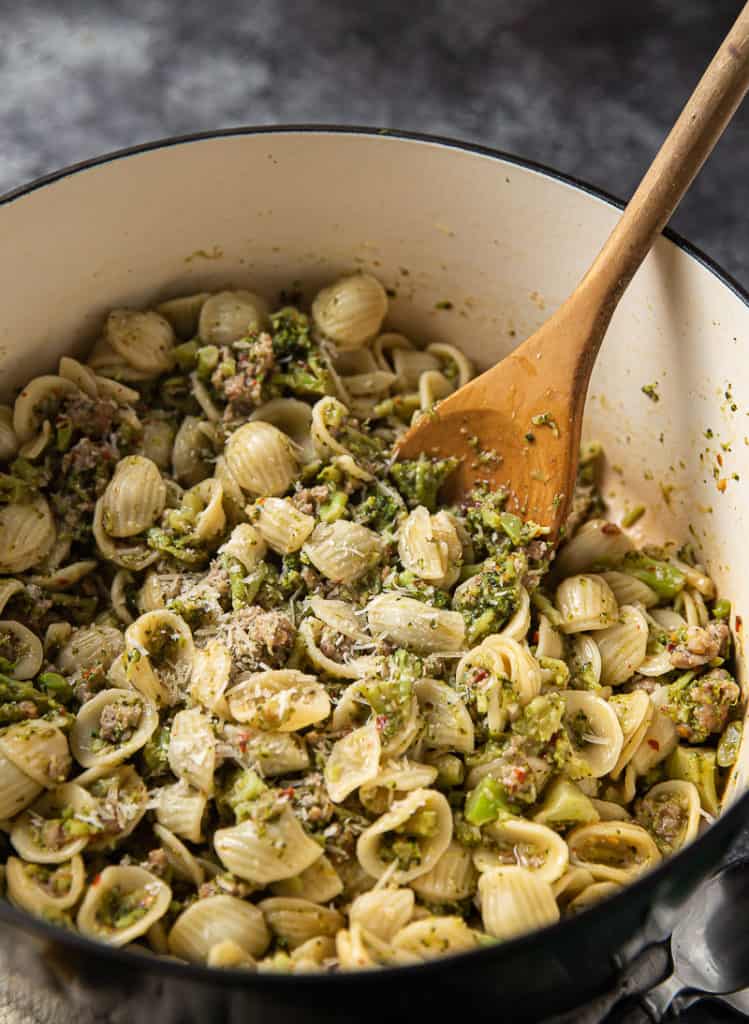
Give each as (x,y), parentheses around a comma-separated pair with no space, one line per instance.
(38,749)
(282,700)
(266,852)
(282,526)
(585,603)
(596,544)
(514,900)
(448,724)
(192,749)
(435,936)
(410,623)
(413,834)
(454,877)
(56,827)
(296,921)
(112,726)
(595,731)
(623,646)
(22,648)
(343,551)
(230,316)
(27,534)
(183,312)
(319,883)
(351,311)
(670,811)
(613,851)
(121,904)
(526,844)
(353,761)
(44,890)
(261,459)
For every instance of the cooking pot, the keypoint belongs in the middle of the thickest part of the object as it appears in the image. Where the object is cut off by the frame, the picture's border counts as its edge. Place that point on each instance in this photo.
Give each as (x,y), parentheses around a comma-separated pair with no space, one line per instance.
(477,248)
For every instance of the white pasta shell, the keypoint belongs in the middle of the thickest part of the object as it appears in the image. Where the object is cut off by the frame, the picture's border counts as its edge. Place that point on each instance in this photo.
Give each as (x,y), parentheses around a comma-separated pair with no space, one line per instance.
(8,589)
(504,659)
(192,749)
(28,891)
(25,648)
(292,417)
(228,953)
(267,852)
(515,901)
(27,534)
(134,498)
(218,919)
(629,590)
(448,724)
(613,851)
(570,885)
(159,650)
(452,878)
(231,316)
(90,646)
(130,880)
(432,847)
(180,859)
(211,670)
(435,936)
(157,442)
(418,549)
(686,797)
(320,883)
(134,557)
(82,376)
(585,603)
(36,402)
(602,738)
(274,753)
(183,312)
(127,789)
(295,921)
(635,713)
(282,700)
(8,439)
(351,310)
(353,761)
(39,749)
(451,353)
(144,340)
(358,949)
(387,344)
(623,646)
(660,739)
(17,789)
(191,452)
(261,460)
(211,519)
(282,526)
(591,895)
(27,834)
(343,551)
(595,545)
(65,576)
(350,668)
(90,749)
(525,844)
(339,615)
(520,622)
(382,912)
(246,545)
(393,781)
(411,623)
(180,808)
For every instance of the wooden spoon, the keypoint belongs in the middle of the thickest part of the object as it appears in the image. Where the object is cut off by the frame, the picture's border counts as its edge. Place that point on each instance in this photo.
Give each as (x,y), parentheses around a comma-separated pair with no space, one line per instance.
(518,425)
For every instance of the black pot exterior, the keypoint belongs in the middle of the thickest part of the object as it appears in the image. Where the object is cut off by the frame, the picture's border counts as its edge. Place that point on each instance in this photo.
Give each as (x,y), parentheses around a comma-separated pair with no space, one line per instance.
(524,980)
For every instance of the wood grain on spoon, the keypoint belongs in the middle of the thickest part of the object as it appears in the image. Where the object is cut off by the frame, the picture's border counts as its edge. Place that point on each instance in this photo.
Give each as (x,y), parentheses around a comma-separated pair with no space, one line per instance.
(528,409)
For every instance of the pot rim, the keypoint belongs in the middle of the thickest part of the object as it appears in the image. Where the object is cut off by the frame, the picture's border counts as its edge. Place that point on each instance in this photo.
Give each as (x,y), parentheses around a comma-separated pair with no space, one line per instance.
(568,927)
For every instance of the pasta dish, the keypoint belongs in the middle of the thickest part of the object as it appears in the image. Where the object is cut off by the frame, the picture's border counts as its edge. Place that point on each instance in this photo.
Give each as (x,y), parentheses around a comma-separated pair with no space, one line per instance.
(267,703)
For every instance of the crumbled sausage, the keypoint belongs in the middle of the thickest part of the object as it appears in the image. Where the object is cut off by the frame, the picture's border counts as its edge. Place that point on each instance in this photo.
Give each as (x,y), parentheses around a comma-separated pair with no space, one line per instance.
(256,637)
(94,417)
(309,499)
(702,708)
(699,646)
(243,390)
(118,721)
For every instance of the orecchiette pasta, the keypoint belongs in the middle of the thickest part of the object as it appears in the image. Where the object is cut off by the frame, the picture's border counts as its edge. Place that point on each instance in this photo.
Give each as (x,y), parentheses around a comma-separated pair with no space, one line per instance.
(251,655)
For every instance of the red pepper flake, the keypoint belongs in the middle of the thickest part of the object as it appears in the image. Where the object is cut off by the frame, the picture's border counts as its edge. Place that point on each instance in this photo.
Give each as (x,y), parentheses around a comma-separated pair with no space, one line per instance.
(739,623)
(534,638)
(480,675)
(719,458)
(288,792)
(244,739)
(96,880)
(610,528)
(520,774)
(654,744)
(722,484)
(381,721)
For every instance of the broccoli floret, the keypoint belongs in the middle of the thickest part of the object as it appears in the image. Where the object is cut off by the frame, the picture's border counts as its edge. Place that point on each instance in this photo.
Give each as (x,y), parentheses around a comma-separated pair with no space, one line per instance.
(541,719)
(378,510)
(419,480)
(156,754)
(488,599)
(665,579)
(302,369)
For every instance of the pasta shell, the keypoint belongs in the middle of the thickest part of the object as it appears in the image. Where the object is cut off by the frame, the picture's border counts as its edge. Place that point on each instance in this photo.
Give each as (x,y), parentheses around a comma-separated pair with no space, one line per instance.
(230,954)
(448,724)
(180,859)
(435,936)
(660,739)
(192,749)
(211,671)
(310,633)
(534,847)
(515,901)
(27,534)
(613,851)
(382,912)
(353,761)
(273,753)
(41,834)
(17,789)
(635,712)
(585,603)
(144,340)
(592,895)
(453,877)
(629,590)
(282,526)
(124,790)
(43,890)
(134,498)
(134,557)
(293,418)
(39,750)
(410,364)
(623,646)
(230,316)
(22,648)
(180,808)
(671,812)
(182,313)
(295,921)
(343,551)
(596,544)
(131,891)
(210,520)
(372,854)
(413,624)
(279,701)
(265,853)
(90,646)
(192,451)
(453,356)
(586,657)
(570,885)
(392,783)
(37,402)
(8,439)
(261,460)
(339,615)
(319,883)
(8,589)
(351,311)
(246,545)
(159,652)
(129,718)
(595,731)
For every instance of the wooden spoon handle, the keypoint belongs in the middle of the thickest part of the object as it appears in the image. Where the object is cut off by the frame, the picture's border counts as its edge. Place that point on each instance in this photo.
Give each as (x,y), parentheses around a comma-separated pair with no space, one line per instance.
(689,143)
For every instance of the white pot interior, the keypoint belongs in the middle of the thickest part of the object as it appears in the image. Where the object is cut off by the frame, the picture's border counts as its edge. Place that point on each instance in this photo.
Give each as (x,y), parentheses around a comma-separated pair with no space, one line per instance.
(503,243)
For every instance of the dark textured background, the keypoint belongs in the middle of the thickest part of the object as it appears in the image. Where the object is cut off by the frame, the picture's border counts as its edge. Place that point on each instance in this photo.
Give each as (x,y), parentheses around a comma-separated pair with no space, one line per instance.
(587,86)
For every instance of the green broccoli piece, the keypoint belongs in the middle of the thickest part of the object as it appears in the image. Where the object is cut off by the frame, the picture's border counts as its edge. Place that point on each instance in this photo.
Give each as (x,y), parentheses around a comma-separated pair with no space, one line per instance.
(419,480)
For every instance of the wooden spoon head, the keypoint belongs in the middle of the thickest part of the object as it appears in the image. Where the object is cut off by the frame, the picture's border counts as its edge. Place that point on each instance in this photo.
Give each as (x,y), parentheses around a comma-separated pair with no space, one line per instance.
(513,428)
